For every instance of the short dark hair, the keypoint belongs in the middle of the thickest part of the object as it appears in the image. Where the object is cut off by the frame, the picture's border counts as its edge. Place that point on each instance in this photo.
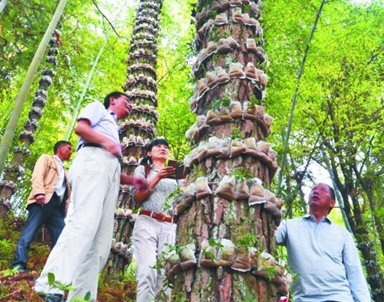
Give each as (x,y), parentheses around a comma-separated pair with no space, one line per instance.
(333,196)
(115,94)
(59,144)
(158,141)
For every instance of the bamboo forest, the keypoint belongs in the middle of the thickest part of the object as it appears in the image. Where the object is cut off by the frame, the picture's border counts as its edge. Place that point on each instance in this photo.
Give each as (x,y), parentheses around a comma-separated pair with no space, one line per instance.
(259,101)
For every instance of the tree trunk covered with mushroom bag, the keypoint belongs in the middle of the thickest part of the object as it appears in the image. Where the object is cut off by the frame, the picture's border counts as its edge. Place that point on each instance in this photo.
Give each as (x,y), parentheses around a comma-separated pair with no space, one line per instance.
(15,169)
(226,214)
(139,129)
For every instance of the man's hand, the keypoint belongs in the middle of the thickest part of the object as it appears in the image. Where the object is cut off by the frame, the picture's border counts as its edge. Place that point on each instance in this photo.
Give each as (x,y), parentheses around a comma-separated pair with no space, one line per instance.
(40,199)
(140,183)
(112,147)
(85,130)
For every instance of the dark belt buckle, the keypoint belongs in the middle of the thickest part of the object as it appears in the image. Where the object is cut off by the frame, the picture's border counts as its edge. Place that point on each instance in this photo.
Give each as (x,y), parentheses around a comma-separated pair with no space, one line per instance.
(160,217)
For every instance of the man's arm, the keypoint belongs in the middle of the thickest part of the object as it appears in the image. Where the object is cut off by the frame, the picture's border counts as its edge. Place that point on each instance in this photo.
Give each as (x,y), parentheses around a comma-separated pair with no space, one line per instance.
(85,130)
(355,275)
(281,233)
(140,183)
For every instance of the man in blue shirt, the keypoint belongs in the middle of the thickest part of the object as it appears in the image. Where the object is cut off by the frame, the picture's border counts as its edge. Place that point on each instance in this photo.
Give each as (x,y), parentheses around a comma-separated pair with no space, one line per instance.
(323,254)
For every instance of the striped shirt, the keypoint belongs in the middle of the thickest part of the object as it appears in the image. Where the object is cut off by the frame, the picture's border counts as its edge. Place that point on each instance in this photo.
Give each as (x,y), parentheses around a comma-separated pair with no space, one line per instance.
(326,260)
(155,202)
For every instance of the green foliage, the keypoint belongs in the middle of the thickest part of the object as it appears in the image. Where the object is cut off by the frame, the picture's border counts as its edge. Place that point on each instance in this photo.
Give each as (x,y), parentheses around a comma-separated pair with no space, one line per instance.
(9,235)
(87,297)
(236,132)
(198,172)
(130,272)
(242,173)
(58,284)
(169,201)
(253,101)
(51,279)
(65,287)
(246,240)
(10,272)
(208,251)
(224,102)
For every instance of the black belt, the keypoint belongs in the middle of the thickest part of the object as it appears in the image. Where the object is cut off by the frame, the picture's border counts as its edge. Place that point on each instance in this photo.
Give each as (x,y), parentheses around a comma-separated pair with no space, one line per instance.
(89,145)
(119,158)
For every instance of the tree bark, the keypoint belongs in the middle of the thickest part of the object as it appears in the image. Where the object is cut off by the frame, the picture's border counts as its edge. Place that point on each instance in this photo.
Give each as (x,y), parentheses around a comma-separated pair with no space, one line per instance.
(224,224)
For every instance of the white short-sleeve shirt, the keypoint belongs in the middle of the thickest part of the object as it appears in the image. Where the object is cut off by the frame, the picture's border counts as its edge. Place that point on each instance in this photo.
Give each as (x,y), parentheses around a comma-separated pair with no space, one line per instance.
(101,121)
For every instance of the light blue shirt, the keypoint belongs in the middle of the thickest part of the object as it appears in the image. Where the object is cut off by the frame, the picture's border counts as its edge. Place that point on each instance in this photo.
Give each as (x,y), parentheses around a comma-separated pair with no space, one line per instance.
(326,260)
(101,120)
(61,185)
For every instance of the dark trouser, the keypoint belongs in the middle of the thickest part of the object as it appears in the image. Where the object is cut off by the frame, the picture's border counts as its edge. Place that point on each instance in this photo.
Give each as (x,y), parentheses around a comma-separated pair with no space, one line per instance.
(52,215)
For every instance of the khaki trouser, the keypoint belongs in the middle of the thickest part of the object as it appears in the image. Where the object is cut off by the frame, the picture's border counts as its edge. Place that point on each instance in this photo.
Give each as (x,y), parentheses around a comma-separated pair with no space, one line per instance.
(83,247)
(149,236)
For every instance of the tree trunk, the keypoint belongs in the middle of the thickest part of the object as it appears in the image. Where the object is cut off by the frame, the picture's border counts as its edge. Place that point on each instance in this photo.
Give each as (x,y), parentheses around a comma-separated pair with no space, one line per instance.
(138,131)
(226,218)
(14,170)
(10,130)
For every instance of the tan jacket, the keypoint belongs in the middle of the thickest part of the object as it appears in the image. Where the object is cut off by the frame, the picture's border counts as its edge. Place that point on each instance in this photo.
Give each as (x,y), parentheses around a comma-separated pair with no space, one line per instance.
(44,179)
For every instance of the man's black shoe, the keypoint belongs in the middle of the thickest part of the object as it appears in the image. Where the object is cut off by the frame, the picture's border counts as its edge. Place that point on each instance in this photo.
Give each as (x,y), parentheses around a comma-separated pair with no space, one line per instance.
(19,268)
(51,297)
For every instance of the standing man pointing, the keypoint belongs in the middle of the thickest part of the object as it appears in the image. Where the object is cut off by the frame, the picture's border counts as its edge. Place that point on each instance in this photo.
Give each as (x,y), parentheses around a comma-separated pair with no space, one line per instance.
(83,248)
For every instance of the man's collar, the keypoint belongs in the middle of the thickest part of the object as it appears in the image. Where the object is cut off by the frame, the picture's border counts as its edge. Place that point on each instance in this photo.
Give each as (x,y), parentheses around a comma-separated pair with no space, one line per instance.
(113,114)
(325,218)
(58,159)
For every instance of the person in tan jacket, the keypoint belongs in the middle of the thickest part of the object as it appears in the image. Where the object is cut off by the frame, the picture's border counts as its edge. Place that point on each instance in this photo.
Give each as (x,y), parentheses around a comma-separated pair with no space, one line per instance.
(47,203)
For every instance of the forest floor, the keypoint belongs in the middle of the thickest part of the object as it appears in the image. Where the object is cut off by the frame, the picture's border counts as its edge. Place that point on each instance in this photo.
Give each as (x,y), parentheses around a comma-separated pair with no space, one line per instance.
(18,287)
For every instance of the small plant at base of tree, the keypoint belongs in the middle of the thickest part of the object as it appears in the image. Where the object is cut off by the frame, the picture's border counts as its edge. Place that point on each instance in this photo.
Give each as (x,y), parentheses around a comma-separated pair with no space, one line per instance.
(65,287)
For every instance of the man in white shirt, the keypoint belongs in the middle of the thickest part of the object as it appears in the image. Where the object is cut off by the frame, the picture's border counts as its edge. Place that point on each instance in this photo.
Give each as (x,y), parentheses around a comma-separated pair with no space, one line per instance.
(95,177)
(47,202)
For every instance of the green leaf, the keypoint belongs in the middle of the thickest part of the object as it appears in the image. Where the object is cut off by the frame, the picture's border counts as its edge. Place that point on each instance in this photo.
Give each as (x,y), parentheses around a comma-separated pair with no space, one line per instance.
(87,296)
(51,279)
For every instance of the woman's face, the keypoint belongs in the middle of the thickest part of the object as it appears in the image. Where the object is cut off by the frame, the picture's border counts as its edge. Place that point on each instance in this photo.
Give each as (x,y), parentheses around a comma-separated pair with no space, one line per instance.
(159,152)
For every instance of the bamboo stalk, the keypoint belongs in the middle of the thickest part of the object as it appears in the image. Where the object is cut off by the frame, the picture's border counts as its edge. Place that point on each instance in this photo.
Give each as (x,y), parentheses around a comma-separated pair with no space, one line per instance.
(3,5)
(90,75)
(294,98)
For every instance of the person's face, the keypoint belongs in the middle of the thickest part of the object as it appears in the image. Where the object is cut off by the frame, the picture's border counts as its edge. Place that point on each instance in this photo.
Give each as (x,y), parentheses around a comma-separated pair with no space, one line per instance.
(121,106)
(320,197)
(159,152)
(65,152)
